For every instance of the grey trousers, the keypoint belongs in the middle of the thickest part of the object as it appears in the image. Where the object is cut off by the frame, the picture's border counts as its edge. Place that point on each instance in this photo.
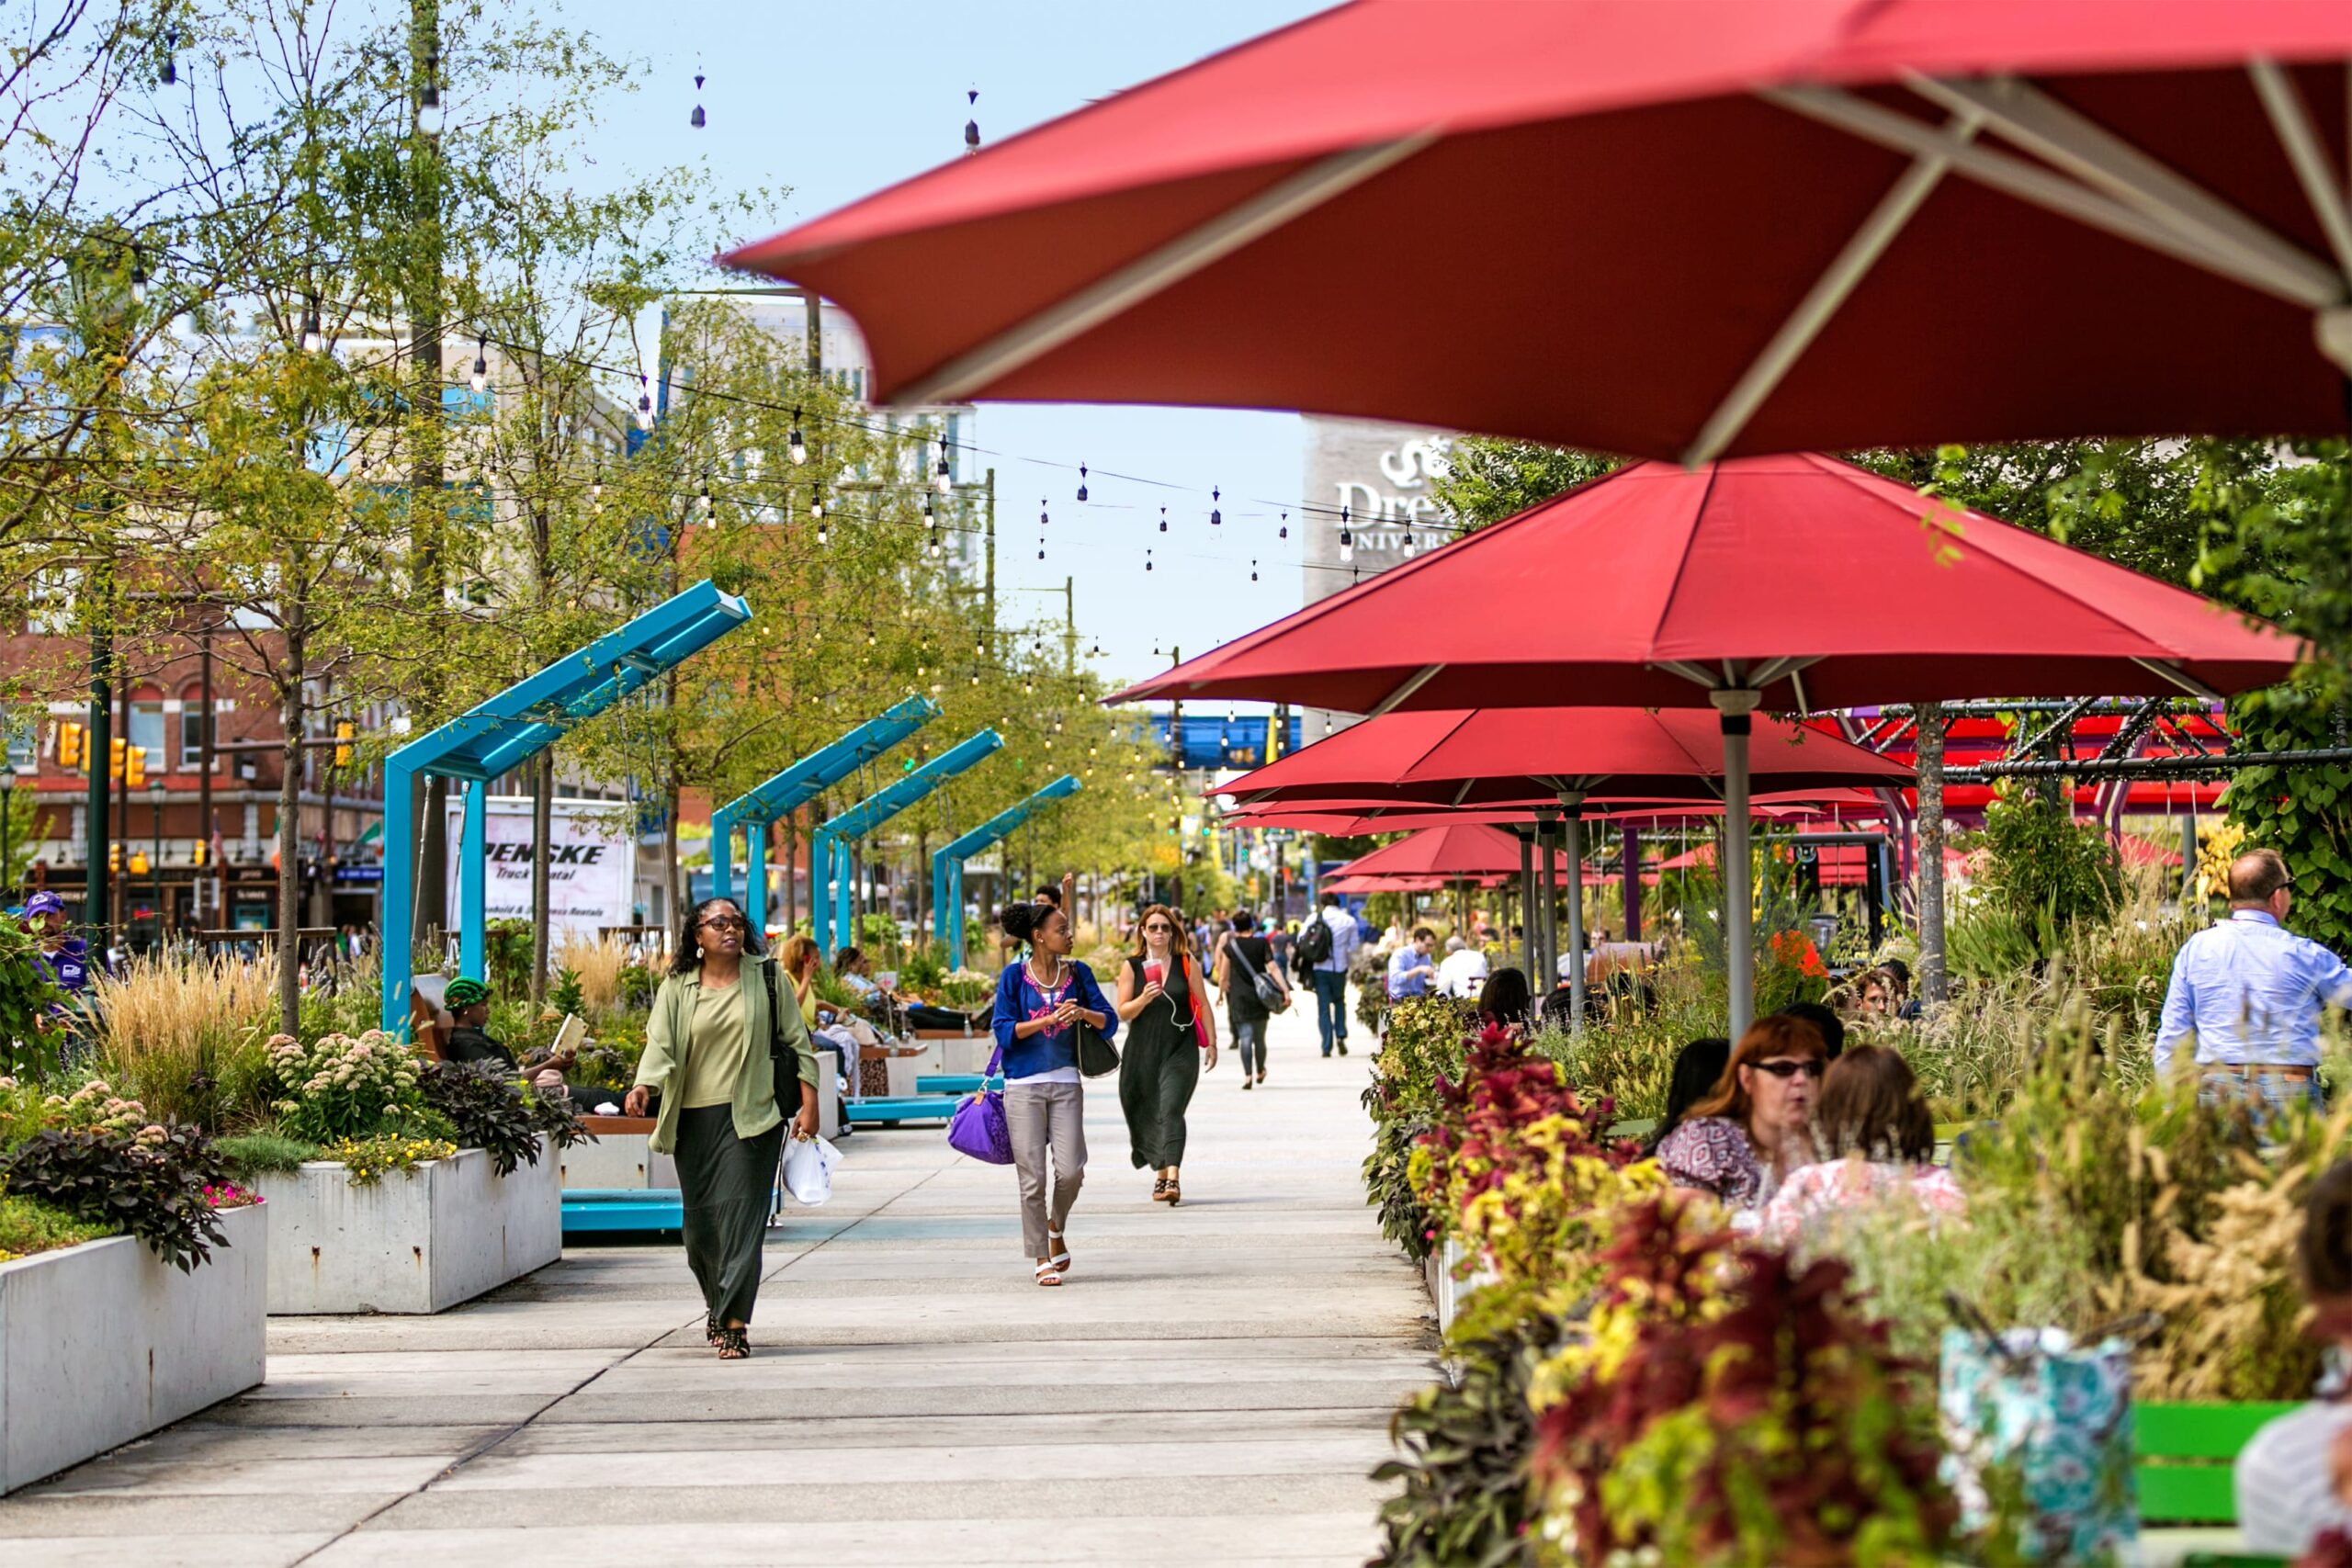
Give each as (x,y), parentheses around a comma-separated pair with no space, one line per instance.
(1042,1118)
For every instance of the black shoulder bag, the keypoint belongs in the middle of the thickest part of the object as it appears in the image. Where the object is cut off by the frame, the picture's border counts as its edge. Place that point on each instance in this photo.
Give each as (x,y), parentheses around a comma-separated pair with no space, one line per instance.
(1096,1055)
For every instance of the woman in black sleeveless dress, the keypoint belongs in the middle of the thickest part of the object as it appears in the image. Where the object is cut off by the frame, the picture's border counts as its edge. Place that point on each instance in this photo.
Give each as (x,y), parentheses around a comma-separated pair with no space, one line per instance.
(1172,1037)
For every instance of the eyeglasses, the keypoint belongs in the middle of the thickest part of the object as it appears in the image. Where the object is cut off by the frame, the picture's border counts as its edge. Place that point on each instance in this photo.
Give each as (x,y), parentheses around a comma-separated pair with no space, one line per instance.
(724,923)
(1160,926)
(1812,1067)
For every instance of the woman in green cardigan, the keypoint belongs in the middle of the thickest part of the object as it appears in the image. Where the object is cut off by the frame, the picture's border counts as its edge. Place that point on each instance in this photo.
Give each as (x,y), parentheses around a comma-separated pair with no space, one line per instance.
(719,1021)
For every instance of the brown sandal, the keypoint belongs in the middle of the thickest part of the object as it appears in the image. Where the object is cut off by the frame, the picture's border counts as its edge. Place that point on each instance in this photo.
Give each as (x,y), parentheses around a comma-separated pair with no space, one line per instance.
(1160,1190)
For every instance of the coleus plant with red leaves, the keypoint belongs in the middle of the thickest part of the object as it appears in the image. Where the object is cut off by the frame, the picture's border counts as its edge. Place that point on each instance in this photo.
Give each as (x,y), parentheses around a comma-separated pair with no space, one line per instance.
(1732,1405)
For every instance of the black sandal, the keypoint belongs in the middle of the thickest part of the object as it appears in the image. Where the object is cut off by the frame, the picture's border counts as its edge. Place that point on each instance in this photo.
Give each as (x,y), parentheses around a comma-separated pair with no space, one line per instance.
(734,1344)
(710,1328)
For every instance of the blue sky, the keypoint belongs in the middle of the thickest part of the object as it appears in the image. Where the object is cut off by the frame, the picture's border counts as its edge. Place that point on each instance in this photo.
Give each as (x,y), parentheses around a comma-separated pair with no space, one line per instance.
(836,100)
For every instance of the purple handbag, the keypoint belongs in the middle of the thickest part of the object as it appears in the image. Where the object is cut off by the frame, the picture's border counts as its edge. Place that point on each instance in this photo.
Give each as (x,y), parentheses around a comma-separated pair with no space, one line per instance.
(978,1127)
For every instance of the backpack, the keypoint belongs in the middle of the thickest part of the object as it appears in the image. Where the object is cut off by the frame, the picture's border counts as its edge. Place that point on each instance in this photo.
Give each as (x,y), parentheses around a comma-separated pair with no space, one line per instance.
(1314,942)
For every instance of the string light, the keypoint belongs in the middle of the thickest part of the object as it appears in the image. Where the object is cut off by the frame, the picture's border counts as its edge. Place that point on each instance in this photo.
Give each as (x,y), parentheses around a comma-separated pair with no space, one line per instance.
(795,448)
(314,339)
(817,501)
(941,476)
(696,119)
(480,379)
(596,487)
(1163,520)
(972,127)
(430,115)
(1284,532)
(1409,544)
(1216,516)
(1041,518)
(1347,539)
(169,71)
(138,276)
(705,503)
(1253,570)
(644,402)
(1147,560)
(1081,481)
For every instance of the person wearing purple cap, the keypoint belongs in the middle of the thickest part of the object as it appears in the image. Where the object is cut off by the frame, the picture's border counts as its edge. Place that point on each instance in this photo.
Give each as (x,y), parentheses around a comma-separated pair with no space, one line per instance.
(68,957)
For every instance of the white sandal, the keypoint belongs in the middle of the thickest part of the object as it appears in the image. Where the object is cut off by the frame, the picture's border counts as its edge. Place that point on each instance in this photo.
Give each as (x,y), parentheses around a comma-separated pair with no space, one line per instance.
(1058,1248)
(1048,1275)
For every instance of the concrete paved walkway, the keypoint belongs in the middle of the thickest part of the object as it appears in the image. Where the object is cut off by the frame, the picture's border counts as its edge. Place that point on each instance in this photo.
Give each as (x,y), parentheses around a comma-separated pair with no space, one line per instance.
(1212,1386)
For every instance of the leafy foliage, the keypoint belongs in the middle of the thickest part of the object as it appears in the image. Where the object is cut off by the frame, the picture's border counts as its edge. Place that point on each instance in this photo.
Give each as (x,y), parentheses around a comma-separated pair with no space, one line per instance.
(2304,813)
(1426,1043)
(149,1183)
(248,1154)
(28,1226)
(342,1087)
(488,1111)
(1490,478)
(367,1161)
(2045,867)
(30,1031)
(1734,1406)
(1466,1446)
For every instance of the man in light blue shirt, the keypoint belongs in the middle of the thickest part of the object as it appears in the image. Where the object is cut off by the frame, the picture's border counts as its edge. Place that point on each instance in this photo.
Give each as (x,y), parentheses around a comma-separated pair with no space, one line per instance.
(1330,976)
(2247,991)
(1409,969)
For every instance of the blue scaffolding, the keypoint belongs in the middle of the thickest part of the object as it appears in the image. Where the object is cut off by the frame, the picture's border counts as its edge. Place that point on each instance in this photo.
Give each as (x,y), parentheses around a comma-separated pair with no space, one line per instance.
(492,738)
(947,865)
(789,791)
(832,860)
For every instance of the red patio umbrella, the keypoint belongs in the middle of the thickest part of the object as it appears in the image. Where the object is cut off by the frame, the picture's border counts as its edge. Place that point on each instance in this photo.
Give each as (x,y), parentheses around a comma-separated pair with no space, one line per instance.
(1456,850)
(1715,601)
(1680,230)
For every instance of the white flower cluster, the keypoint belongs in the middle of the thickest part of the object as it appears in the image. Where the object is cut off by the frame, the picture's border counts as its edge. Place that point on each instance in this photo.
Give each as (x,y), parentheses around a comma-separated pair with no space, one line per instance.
(340,1083)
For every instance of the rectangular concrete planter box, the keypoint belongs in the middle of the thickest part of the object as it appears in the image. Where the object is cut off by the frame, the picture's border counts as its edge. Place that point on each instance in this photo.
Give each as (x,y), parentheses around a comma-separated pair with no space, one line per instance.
(1447,1292)
(618,1158)
(420,1243)
(101,1343)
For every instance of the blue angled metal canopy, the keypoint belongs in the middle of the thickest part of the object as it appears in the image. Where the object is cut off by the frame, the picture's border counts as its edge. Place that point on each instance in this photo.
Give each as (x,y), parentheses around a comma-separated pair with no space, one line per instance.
(947,865)
(788,791)
(829,847)
(509,728)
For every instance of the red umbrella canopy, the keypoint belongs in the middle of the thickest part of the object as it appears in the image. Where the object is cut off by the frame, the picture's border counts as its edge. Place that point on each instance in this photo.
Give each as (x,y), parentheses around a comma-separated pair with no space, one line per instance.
(1679,231)
(1501,756)
(1713,576)
(1351,819)
(1456,851)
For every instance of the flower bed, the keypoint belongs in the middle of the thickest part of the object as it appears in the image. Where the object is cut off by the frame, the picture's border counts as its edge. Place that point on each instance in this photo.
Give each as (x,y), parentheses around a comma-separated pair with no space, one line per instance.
(105,1341)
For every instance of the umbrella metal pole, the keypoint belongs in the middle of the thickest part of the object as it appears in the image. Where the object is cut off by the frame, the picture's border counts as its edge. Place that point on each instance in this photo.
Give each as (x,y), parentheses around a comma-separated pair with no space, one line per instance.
(1736,705)
(1574,827)
(1547,889)
(1527,907)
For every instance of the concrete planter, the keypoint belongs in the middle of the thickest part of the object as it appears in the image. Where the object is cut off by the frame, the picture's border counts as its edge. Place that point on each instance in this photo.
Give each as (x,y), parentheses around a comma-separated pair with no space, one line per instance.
(419,1243)
(1447,1292)
(619,1159)
(100,1343)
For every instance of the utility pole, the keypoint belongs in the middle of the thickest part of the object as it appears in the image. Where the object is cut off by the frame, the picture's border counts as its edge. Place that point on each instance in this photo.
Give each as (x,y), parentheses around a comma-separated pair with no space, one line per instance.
(1070,625)
(989,600)
(425,110)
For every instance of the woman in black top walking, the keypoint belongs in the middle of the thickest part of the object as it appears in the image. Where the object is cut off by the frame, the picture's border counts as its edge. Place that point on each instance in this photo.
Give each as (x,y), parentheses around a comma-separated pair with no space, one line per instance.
(1161,996)
(1242,958)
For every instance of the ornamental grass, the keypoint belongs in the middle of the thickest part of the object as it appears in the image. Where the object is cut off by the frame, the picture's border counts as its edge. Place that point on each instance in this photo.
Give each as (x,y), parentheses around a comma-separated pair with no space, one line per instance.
(597,962)
(187,1036)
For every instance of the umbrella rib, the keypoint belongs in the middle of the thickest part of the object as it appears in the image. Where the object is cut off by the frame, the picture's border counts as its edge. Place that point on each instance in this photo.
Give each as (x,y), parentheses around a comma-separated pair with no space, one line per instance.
(2311,284)
(2290,117)
(2173,672)
(963,377)
(1829,292)
(1413,682)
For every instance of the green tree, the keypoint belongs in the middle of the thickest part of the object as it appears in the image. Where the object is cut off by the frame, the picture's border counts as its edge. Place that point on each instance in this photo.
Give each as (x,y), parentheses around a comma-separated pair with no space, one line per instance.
(1490,478)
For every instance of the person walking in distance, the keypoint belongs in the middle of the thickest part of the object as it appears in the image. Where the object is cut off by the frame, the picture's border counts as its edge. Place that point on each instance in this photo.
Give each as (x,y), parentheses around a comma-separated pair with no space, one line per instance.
(1172,1040)
(725,1050)
(1245,960)
(2248,992)
(1326,944)
(1040,1002)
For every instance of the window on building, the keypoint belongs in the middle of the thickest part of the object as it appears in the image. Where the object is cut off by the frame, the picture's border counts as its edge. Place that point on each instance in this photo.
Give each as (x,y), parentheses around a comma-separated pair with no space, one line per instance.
(24,739)
(192,722)
(147,729)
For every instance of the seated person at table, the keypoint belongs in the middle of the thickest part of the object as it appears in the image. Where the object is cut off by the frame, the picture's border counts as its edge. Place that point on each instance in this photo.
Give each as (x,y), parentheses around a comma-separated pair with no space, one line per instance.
(470,1041)
(1756,1127)
(1832,1027)
(856,971)
(1876,1138)
(2294,1478)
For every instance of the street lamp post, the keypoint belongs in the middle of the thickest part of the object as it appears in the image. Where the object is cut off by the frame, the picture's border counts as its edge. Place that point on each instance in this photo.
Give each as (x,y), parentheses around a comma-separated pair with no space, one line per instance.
(155,797)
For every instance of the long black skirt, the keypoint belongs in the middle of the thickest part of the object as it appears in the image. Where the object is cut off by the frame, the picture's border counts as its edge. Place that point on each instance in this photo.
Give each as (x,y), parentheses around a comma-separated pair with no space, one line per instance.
(727,1184)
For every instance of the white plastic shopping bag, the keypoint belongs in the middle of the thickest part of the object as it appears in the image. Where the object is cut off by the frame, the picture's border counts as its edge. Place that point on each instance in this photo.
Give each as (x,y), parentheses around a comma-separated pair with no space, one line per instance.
(808,1170)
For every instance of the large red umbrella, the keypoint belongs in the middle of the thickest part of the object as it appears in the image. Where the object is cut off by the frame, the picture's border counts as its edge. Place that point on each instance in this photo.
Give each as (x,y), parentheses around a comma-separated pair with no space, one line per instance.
(1676,230)
(1458,850)
(1714,598)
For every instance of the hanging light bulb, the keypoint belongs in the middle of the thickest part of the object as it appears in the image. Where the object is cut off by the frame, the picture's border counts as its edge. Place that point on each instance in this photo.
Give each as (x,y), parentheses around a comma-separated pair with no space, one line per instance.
(1253,572)
(795,448)
(169,71)
(1041,546)
(815,501)
(596,487)
(696,119)
(704,504)
(869,636)
(1147,560)
(1216,516)
(1347,539)
(972,127)
(137,277)
(644,404)
(1081,481)
(978,651)
(313,339)
(1096,651)
(430,115)
(821,535)
(1163,520)
(943,478)
(479,379)
(1041,518)
(1409,544)
(1284,532)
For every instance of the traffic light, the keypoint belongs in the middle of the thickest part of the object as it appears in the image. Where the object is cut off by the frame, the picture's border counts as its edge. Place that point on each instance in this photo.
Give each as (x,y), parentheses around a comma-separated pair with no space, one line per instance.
(69,745)
(117,751)
(114,857)
(138,862)
(196,854)
(342,734)
(134,767)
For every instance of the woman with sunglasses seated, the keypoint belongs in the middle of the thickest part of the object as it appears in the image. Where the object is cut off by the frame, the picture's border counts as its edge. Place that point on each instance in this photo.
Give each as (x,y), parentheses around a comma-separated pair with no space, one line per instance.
(1739,1142)
(1878,1143)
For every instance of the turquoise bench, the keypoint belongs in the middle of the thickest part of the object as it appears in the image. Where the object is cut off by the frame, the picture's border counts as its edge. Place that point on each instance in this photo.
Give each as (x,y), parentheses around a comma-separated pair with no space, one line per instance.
(952,1083)
(592,1209)
(885,1112)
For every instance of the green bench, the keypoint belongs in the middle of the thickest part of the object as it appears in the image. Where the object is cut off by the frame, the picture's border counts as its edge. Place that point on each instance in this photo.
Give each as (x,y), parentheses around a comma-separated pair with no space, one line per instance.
(2186,1454)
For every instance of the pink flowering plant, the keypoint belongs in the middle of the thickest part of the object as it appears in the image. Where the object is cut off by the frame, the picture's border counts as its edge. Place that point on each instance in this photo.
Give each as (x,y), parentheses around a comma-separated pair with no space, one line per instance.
(342,1086)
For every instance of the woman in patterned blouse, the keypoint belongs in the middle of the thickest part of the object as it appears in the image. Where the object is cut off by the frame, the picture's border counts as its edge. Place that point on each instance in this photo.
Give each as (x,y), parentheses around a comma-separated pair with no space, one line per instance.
(1758,1125)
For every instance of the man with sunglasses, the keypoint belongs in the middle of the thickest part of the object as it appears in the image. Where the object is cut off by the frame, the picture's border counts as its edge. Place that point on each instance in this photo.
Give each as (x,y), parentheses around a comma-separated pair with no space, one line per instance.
(2246,993)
